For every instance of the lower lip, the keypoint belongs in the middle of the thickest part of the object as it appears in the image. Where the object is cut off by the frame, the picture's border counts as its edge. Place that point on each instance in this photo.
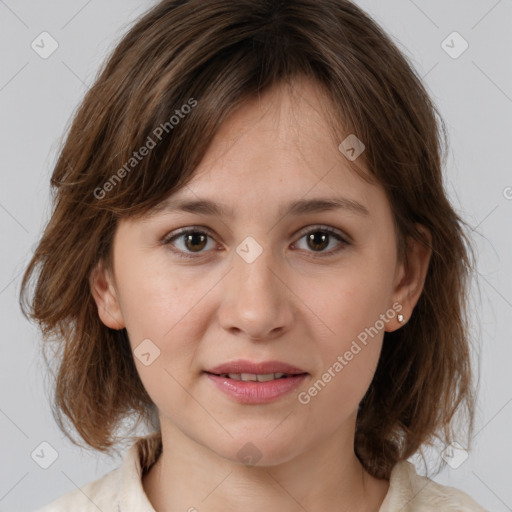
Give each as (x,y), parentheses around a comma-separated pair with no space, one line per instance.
(253,392)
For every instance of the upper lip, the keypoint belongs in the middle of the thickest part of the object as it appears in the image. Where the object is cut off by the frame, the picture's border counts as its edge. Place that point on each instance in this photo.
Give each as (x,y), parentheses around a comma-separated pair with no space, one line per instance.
(245,366)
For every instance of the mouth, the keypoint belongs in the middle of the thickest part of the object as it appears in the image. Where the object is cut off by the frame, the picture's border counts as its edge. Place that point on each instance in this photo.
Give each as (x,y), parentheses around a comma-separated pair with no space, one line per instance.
(255,377)
(243,369)
(248,382)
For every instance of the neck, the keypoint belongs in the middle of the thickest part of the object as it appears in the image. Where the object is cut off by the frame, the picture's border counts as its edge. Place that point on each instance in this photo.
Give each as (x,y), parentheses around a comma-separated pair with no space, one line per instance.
(328,476)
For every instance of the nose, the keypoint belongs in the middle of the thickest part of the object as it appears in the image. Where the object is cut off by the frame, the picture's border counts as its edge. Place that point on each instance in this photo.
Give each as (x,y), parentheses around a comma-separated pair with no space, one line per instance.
(255,299)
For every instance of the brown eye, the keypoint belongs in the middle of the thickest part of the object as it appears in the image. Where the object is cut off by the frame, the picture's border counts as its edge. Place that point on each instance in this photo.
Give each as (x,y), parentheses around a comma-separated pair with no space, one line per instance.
(195,241)
(319,239)
(189,243)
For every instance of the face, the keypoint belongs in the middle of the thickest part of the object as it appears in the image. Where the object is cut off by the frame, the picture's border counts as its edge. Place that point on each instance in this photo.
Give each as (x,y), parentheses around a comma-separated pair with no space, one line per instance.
(260,283)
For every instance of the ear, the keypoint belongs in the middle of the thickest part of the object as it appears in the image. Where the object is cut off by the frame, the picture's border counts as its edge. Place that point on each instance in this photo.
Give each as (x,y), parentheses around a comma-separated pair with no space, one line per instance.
(410,276)
(106,297)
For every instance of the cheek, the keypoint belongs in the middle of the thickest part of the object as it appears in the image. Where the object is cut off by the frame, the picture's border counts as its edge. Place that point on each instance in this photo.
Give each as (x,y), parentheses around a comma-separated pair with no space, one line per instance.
(171,308)
(349,299)
(158,299)
(350,331)
(349,358)
(167,309)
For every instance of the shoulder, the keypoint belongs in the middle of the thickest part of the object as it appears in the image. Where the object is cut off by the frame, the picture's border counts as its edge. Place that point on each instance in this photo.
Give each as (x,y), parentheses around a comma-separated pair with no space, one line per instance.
(411,492)
(120,490)
(100,494)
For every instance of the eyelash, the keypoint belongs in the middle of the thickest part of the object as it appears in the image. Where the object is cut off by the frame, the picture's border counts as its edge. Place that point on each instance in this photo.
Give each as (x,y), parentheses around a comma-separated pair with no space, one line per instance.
(202,231)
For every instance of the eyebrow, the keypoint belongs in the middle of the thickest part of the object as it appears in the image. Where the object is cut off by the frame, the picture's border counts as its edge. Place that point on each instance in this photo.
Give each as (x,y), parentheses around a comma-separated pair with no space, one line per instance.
(299,207)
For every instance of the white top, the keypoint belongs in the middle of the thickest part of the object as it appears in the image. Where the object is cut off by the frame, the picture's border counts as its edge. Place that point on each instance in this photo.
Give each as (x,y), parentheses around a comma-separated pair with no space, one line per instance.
(121,489)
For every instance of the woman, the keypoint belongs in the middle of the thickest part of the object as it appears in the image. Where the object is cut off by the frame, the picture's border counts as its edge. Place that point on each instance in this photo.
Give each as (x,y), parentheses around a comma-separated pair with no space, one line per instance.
(251,242)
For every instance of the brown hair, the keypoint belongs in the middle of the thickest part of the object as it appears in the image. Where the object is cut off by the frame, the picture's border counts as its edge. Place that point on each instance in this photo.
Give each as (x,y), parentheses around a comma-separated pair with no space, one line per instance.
(213,56)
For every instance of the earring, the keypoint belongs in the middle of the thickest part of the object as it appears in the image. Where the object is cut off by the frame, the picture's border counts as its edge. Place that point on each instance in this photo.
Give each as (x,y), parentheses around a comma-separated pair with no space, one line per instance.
(400,318)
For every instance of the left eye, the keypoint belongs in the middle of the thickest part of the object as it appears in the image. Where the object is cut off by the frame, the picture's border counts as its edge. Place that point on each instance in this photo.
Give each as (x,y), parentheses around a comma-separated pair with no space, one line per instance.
(319,238)
(195,240)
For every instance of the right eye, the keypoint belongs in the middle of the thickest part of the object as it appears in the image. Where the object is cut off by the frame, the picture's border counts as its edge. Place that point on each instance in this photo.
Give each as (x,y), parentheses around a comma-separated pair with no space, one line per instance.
(192,240)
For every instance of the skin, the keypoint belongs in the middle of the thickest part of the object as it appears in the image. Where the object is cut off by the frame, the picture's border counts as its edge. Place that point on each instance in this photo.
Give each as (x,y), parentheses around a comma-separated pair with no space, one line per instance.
(295,303)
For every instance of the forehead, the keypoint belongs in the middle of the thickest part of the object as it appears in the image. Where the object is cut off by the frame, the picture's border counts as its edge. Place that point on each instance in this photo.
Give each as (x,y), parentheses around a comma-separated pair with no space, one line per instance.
(277,148)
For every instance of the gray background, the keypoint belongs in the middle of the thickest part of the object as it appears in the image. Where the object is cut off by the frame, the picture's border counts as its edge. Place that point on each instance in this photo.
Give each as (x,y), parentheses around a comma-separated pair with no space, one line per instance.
(37,98)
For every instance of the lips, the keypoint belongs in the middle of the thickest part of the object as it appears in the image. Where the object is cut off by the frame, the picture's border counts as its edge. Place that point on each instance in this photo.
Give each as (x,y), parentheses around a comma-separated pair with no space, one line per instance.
(248,382)
(253,377)
(245,369)
(259,392)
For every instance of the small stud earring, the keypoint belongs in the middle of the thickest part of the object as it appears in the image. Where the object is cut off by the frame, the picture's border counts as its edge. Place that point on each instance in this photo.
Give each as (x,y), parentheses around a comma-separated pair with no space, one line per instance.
(400,318)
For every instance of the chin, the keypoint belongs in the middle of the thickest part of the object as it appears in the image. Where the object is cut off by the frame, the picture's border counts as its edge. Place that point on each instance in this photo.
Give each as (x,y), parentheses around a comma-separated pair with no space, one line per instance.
(259,449)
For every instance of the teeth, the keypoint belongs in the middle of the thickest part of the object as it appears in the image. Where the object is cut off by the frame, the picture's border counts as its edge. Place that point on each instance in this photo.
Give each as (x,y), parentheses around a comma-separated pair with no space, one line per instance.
(254,377)
(266,377)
